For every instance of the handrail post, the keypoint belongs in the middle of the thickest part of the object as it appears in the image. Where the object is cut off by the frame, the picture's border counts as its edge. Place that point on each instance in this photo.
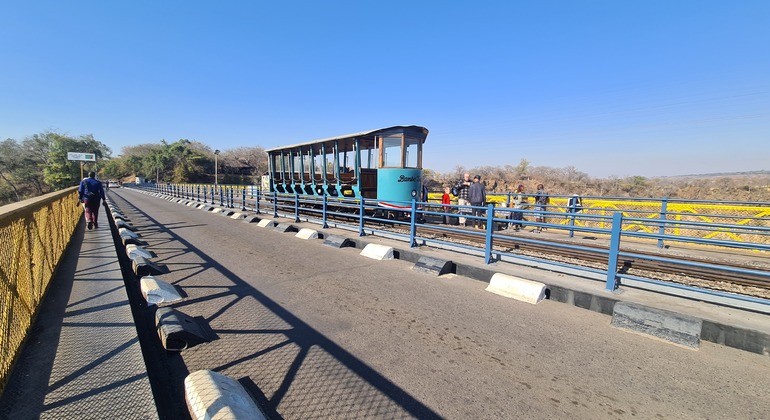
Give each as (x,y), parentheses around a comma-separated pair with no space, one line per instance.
(572,213)
(325,225)
(361,218)
(296,207)
(413,225)
(259,193)
(275,205)
(205,198)
(612,264)
(198,193)
(663,218)
(221,196)
(232,197)
(490,229)
(243,199)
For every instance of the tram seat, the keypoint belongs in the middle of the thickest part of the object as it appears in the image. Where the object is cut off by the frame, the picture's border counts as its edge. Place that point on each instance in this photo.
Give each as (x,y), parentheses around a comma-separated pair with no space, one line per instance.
(309,189)
(279,188)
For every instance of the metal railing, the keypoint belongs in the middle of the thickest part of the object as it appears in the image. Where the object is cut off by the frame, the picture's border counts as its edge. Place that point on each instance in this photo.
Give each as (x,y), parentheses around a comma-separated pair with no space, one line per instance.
(33,237)
(662,226)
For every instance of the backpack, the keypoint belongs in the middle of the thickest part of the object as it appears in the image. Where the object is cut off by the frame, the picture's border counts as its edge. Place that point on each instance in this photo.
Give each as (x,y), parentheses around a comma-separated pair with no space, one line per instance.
(455,192)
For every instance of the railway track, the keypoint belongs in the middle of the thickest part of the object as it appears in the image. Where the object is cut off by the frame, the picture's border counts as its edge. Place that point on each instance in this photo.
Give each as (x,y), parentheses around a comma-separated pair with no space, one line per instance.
(643,264)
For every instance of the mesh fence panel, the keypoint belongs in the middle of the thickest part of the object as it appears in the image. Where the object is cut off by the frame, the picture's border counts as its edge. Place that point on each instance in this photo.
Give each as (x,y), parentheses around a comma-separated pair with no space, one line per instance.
(33,237)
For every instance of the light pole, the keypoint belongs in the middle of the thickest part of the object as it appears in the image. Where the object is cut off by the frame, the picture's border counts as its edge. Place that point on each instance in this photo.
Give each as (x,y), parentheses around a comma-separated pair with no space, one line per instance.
(216,166)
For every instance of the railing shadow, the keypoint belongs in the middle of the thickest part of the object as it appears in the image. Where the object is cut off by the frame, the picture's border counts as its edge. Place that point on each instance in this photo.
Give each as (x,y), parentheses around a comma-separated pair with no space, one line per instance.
(294,370)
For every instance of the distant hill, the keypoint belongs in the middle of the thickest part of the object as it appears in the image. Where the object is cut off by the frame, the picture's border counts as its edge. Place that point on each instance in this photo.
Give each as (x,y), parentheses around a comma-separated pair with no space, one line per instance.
(720,174)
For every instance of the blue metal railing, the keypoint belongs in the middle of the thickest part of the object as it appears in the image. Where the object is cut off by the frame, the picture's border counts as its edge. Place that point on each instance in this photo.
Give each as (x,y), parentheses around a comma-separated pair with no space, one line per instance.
(364,216)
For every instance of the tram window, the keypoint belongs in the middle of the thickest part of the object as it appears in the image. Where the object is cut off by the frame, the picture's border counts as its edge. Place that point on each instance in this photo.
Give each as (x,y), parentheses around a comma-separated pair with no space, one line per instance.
(391,151)
(297,162)
(412,152)
(368,154)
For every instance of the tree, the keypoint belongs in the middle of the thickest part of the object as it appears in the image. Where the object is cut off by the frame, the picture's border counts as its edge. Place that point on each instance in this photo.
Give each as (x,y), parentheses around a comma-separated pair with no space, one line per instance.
(60,172)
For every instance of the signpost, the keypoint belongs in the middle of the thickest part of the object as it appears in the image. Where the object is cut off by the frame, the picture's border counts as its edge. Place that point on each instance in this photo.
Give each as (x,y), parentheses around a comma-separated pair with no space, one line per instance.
(82,157)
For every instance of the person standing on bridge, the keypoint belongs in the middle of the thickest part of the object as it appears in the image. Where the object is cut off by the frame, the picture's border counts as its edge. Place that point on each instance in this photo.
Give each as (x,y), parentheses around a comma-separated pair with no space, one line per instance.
(478,198)
(461,190)
(91,193)
(541,205)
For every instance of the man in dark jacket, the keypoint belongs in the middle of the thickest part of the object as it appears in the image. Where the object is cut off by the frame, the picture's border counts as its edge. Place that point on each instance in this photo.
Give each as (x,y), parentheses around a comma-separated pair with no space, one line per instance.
(91,193)
(477,195)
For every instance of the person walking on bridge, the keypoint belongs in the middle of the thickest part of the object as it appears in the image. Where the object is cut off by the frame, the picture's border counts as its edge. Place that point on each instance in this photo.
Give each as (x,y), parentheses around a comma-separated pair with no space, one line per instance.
(91,193)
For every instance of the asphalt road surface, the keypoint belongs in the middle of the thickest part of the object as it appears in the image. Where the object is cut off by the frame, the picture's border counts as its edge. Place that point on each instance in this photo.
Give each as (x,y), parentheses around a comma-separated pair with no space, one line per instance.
(318,332)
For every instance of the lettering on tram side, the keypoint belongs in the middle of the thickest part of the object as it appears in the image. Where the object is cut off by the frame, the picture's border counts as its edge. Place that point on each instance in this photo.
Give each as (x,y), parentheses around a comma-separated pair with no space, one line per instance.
(404,178)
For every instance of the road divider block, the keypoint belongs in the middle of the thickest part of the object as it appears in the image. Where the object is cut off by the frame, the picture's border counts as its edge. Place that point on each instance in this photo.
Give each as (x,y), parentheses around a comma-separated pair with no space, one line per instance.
(124,232)
(378,252)
(517,288)
(144,267)
(211,395)
(178,331)
(133,251)
(306,233)
(285,227)
(669,326)
(265,223)
(190,203)
(157,291)
(337,241)
(120,223)
(433,266)
(251,219)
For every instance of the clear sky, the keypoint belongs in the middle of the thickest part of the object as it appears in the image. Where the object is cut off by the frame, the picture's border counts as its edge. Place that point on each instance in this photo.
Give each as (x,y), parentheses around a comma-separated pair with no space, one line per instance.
(613,88)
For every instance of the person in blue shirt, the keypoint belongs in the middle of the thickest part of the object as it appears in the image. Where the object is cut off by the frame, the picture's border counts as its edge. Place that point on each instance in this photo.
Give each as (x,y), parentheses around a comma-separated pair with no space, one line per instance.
(91,193)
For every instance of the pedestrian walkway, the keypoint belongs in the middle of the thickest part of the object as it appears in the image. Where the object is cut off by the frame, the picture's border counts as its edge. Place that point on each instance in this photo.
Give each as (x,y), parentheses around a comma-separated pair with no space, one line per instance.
(82,358)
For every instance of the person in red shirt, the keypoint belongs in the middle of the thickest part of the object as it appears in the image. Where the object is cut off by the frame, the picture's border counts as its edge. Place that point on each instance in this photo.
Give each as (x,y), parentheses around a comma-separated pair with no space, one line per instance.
(446,200)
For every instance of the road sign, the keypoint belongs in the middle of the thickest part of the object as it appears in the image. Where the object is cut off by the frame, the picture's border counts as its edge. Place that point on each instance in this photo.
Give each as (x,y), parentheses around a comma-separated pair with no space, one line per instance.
(81,156)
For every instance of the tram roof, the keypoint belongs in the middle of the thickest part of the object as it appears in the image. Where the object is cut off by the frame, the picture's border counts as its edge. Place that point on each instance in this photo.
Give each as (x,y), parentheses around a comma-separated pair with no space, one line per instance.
(349,136)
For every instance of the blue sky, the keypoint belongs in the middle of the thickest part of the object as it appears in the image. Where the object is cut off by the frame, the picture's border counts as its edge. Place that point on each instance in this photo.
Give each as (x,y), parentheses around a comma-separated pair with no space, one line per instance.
(613,88)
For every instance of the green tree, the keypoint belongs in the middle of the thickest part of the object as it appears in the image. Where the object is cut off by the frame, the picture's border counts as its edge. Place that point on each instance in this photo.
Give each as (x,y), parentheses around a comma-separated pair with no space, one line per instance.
(59,172)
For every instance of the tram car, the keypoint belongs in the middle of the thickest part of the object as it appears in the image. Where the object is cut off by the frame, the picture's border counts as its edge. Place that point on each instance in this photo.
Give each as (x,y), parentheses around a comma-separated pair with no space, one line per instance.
(383,165)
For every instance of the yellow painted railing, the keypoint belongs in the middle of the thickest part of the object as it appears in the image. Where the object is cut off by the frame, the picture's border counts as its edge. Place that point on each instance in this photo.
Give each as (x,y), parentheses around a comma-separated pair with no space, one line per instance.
(33,237)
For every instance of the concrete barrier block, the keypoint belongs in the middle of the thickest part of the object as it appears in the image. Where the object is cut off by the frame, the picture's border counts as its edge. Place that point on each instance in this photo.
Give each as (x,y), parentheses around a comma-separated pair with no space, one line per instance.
(306,233)
(133,251)
(144,267)
(226,212)
(236,216)
(251,219)
(517,288)
(206,208)
(123,232)
(669,326)
(211,395)
(265,223)
(217,210)
(178,331)
(378,252)
(127,240)
(190,203)
(157,291)
(120,223)
(285,227)
(337,241)
(433,266)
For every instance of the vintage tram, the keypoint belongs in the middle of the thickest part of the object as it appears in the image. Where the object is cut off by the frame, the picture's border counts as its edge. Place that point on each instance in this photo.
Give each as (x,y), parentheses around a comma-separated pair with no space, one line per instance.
(384,165)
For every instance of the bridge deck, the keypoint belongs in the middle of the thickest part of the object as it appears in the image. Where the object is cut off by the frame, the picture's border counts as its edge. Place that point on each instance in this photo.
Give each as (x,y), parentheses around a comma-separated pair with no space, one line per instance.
(313,331)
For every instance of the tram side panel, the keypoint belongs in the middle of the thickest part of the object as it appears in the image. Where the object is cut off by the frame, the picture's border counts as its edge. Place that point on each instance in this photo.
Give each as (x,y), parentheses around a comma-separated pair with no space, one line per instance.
(396,187)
